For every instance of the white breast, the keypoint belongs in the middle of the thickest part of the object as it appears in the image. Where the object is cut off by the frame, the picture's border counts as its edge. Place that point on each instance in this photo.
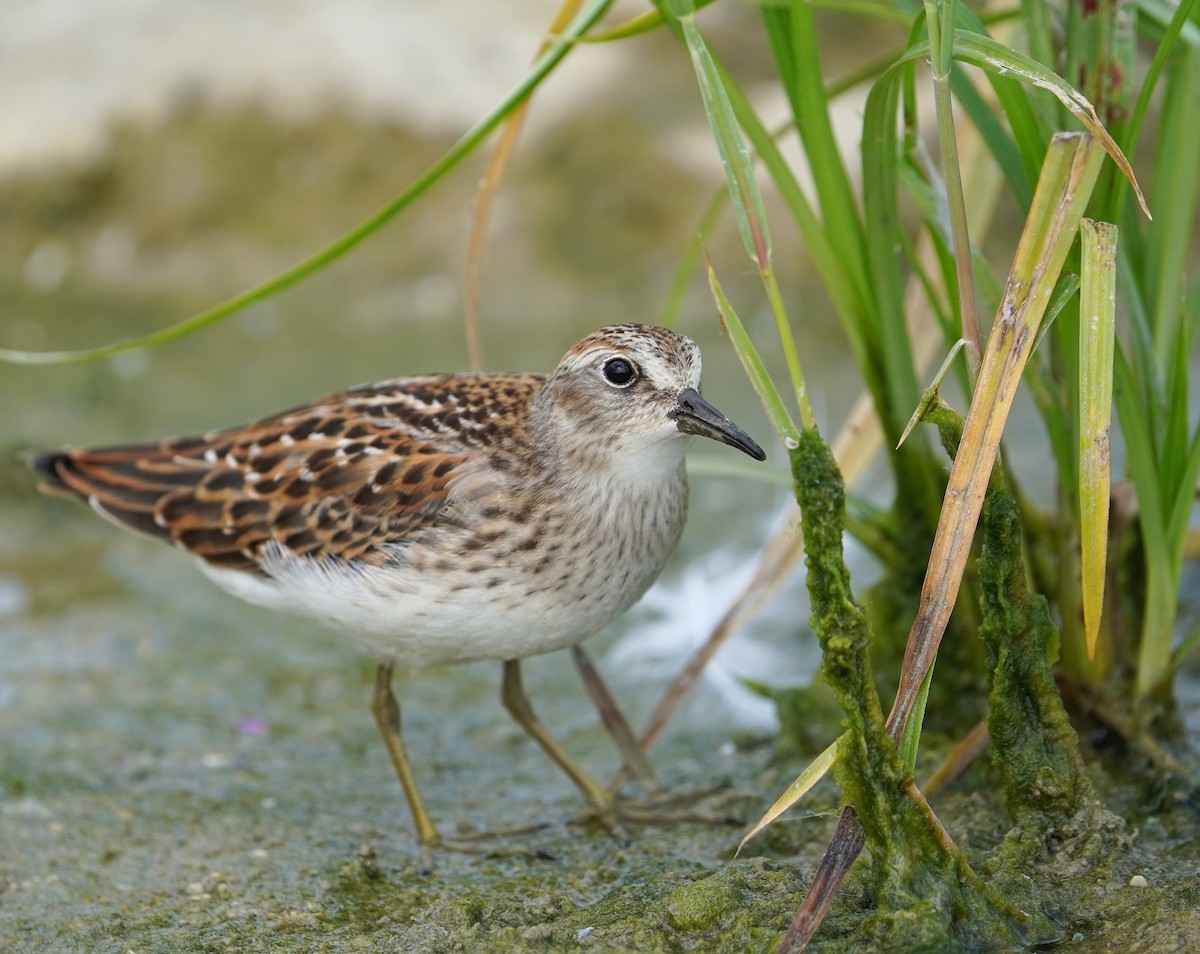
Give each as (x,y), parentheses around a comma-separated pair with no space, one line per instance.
(503,603)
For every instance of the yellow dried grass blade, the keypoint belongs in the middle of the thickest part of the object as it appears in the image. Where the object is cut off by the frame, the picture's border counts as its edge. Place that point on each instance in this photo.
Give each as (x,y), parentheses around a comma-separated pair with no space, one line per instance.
(1067,179)
(488,186)
(797,790)
(1097,317)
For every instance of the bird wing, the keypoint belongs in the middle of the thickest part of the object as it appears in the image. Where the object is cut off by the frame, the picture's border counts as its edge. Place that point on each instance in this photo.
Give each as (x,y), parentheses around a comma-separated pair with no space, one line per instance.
(350,477)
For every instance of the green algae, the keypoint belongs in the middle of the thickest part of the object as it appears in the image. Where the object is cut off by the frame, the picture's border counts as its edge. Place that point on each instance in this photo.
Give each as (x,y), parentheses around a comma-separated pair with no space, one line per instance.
(1035,748)
(1047,791)
(663,906)
(923,887)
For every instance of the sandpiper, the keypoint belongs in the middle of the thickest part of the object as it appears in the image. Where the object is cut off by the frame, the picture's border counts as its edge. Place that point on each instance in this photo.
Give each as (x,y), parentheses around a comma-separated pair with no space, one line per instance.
(438,519)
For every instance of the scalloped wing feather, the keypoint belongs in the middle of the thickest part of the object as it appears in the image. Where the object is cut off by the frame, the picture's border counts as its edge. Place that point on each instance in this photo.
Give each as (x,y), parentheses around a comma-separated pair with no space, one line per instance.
(352,476)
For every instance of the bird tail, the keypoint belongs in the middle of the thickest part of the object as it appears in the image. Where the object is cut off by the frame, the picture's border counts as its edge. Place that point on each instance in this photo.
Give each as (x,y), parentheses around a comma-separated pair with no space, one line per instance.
(46,465)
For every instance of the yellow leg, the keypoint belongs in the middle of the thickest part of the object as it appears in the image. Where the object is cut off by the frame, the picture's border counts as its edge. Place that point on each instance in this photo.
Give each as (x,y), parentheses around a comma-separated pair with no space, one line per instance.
(386,711)
(661,804)
(599,799)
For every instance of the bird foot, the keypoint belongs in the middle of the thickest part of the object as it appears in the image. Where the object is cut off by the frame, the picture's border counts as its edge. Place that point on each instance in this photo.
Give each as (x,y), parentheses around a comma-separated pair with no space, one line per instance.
(485,844)
(660,807)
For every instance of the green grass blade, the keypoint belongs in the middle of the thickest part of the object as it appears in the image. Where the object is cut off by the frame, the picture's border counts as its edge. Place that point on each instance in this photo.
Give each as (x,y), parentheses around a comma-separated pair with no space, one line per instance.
(939,20)
(850,300)
(881,159)
(1040,30)
(1046,396)
(1067,286)
(1154,651)
(1051,398)
(1151,384)
(1186,647)
(1010,157)
(1030,136)
(1176,183)
(994,57)
(743,188)
(880,173)
(1184,499)
(793,36)
(1097,321)
(1173,462)
(910,738)
(752,362)
(642,23)
(735,159)
(1178,24)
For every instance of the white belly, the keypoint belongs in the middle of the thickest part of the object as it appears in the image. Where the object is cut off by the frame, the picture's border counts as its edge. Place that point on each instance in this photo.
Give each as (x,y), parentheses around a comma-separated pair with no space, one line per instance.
(511,604)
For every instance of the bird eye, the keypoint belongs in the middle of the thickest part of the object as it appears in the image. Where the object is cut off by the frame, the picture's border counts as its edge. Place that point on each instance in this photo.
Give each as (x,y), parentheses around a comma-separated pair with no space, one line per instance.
(619,372)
